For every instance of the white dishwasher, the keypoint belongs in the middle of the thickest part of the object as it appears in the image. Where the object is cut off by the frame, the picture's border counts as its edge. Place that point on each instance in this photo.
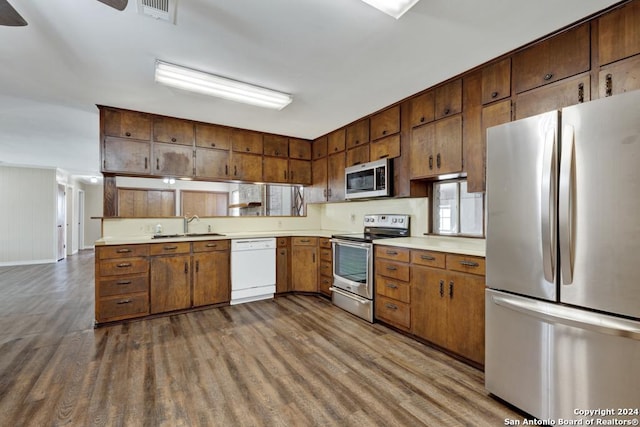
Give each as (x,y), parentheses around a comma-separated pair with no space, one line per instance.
(253,269)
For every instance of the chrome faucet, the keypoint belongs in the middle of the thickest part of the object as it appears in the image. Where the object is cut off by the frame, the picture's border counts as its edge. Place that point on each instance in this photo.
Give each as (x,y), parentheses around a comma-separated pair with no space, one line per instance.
(186,220)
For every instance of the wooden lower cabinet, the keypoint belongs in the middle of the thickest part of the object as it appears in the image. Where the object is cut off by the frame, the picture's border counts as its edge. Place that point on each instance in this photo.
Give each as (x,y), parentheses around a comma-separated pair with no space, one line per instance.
(393,296)
(211,272)
(282,265)
(304,264)
(325,272)
(170,283)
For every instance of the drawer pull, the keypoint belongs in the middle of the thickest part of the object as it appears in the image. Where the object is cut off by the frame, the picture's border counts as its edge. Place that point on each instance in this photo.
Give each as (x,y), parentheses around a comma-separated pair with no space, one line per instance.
(392,286)
(123,251)
(127,133)
(428,257)
(469,264)
(391,306)
(304,240)
(124,301)
(124,265)
(391,268)
(123,282)
(170,248)
(173,139)
(212,245)
(392,253)
(494,95)
(548,76)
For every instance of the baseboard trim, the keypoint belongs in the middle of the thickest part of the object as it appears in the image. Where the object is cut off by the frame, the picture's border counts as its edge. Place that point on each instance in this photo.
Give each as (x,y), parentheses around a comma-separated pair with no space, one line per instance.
(27,262)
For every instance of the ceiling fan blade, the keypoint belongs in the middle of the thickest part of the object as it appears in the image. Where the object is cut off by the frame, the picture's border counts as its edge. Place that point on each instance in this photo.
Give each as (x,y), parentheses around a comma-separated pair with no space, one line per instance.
(9,17)
(116,4)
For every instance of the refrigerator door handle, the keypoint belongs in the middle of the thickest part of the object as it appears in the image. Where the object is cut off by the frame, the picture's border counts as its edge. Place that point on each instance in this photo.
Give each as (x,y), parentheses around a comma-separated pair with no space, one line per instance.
(548,205)
(571,317)
(565,207)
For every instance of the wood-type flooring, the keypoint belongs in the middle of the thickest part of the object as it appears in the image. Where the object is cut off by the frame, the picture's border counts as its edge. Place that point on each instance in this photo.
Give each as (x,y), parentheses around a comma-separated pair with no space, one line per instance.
(291,361)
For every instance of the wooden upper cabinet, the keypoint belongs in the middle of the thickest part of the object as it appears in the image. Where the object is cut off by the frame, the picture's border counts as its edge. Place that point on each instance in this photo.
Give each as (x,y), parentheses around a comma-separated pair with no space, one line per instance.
(172,160)
(276,146)
(619,77)
(319,148)
(299,149)
(212,136)
(246,141)
(173,131)
(126,124)
(300,172)
(212,163)
(619,33)
(574,90)
(336,141)
(436,148)
(335,176)
(496,81)
(385,148)
(422,109)
(559,57)
(358,155)
(124,155)
(275,169)
(448,99)
(385,123)
(246,167)
(358,133)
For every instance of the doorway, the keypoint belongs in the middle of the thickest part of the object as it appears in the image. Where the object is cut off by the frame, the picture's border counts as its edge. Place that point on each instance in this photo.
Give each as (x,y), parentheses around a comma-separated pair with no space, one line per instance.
(61,221)
(80,220)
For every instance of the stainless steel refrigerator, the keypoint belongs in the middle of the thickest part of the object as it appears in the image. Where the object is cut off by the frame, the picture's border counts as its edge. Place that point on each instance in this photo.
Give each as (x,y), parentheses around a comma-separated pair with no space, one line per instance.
(563,260)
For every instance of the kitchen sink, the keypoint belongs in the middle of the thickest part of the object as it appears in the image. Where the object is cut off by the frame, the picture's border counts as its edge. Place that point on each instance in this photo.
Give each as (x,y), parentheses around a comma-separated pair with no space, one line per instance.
(203,234)
(166,236)
(169,236)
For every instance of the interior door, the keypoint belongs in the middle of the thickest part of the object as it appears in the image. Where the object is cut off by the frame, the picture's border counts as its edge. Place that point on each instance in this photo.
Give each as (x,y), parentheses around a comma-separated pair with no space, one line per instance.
(61,219)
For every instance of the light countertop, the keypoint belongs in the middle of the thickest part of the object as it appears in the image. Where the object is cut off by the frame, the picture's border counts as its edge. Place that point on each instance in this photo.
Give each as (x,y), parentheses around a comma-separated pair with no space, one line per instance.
(456,245)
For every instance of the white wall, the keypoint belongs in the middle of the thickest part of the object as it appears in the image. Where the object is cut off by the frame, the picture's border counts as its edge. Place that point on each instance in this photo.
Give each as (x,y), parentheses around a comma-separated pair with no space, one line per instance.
(93,200)
(27,215)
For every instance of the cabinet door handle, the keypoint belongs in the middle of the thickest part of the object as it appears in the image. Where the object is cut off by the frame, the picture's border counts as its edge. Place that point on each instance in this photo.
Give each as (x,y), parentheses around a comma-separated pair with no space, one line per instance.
(391,306)
(226,169)
(431,161)
(391,268)
(469,264)
(447,111)
(170,248)
(548,76)
(392,286)
(235,170)
(146,163)
(123,282)
(124,265)
(124,301)
(127,134)
(186,267)
(384,156)
(392,253)
(494,95)
(609,85)
(428,257)
(438,161)
(441,288)
(157,163)
(581,93)
(212,245)
(213,144)
(197,266)
(173,139)
(313,258)
(451,289)
(123,251)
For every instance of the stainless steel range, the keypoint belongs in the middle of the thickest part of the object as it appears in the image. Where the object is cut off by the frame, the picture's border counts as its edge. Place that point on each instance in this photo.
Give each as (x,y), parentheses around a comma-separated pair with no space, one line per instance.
(353,278)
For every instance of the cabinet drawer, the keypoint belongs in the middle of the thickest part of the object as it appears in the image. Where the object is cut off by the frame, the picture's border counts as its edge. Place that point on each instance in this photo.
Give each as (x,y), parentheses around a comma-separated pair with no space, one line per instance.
(325,243)
(326,268)
(392,311)
(394,289)
(170,248)
(282,242)
(211,245)
(428,258)
(124,266)
(108,252)
(392,269)
(394,253)
(304,241)
(326,254)
(467,264)
(123,307)
(123,286)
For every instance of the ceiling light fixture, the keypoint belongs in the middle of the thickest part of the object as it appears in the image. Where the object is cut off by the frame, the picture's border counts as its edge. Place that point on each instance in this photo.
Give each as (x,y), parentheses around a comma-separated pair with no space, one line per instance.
(395,8)
(210,84)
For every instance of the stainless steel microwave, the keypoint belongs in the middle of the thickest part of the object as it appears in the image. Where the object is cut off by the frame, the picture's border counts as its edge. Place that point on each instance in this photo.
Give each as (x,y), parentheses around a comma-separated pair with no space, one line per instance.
(368,180)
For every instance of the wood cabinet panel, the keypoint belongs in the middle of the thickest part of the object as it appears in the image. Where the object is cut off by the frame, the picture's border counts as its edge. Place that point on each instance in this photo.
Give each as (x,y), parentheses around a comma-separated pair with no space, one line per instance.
(619,77)
(170,284)
(466,316)
(466,264)
(496,81)
(422,109)
(246,141)
(275,169)
(122,251)
(300,172)
(169,248)
(126,156)
(144,203)
(275,145)
(473,151)
(246,167)
(304,264)
(204,203)
(335,170)
(385,123)
(358,133)
(173,131)
(619,33)
(123,285)
(117,267)
(212,136)
(282,266)
(319,148)
(337,140)
(554,59)
(172,160)
(326,268)
(429,310)
(392,288)
(317,192)
(421,151)
(448,145)
(392,253)
(299,149)
(211,245)
(212,163)
(123,307)
(357,155)
(562,94)
(126,124)
(385,148)
(393,311)
(428,258)
(211,278)
(448,99)
(325,284)
(392,269)
(304,241)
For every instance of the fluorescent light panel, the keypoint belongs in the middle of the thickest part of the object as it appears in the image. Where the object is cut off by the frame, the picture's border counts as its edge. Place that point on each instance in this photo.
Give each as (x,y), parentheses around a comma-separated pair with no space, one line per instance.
(221,87)
(395,8)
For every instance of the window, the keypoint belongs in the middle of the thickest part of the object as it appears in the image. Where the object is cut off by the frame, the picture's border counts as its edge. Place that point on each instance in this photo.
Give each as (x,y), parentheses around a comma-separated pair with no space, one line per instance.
(456,212)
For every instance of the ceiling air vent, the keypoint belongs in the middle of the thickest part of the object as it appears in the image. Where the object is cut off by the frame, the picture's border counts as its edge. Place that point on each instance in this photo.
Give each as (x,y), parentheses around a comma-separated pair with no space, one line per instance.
(164,10)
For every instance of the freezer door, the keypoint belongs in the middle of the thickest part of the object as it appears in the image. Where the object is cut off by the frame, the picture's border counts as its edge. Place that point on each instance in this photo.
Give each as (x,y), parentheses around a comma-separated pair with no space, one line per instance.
(599,205)
(521,206)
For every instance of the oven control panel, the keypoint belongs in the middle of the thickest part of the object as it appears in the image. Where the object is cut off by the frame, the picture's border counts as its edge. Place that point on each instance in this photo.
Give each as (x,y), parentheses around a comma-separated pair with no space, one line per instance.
(387,221)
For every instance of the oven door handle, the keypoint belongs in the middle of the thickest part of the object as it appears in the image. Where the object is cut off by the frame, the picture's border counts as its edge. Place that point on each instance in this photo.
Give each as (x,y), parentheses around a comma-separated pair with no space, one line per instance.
(350,243)
(348,295)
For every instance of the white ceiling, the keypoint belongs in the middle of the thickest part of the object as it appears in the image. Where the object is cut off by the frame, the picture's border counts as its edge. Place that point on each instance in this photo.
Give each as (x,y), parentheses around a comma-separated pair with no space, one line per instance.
(340,59)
